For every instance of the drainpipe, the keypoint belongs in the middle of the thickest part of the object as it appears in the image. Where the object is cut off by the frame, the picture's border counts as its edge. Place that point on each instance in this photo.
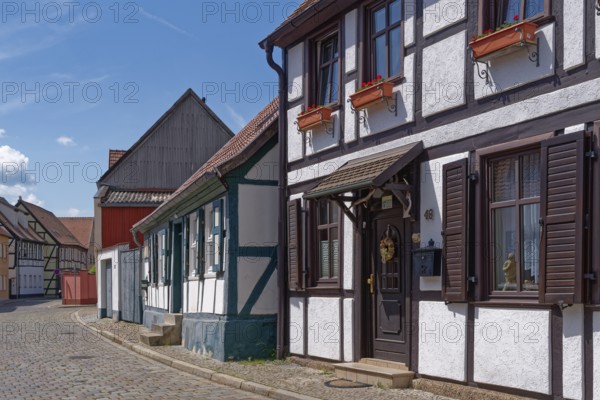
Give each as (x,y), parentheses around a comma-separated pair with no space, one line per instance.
(267,45)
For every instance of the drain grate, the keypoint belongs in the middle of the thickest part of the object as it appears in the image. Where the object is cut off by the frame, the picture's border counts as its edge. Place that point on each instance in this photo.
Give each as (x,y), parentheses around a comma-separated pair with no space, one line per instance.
(81,357)
(344,384)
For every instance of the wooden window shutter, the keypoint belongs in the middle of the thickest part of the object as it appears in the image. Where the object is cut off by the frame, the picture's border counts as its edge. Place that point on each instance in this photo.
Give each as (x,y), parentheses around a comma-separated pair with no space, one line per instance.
(200,246)
(294,249)
(455,209)
(562,212)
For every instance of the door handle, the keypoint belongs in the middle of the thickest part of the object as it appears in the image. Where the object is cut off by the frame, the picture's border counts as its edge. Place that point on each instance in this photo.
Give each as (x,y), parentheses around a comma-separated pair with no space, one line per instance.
(371,283)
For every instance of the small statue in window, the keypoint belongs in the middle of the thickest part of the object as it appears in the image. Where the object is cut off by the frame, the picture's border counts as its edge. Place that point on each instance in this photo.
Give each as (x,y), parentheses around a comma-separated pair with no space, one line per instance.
(510,272)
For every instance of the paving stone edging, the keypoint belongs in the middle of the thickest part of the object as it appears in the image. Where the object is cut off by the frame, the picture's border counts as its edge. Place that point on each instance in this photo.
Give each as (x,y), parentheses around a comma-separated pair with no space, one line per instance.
(217,377)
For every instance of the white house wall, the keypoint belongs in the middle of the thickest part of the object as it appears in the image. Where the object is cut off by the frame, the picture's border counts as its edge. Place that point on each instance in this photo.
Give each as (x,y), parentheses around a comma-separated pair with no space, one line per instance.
(350,38)
(324,328)
(297,329)
(443,85)
(348,254)
(295,63)
(295,138)
(267,168)
(573,374)
(431,199)
(596,355)
(574,33)
(249,272)
(208,300)
(348,330)
(318,139)
(105,255)
(410,8)
(350,134)
(158,296)
(443,336)
(440,14)
(536,107)
(516,69)
(518,343)
(31,279)
(257,221)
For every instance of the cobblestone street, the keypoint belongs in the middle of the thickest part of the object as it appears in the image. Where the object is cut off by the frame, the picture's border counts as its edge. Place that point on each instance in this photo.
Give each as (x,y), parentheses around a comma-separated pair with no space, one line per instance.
(47,355)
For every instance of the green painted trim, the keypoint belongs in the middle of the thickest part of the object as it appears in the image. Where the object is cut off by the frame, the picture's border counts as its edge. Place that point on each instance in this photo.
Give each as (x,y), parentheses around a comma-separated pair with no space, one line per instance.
(261,284)
(256,252)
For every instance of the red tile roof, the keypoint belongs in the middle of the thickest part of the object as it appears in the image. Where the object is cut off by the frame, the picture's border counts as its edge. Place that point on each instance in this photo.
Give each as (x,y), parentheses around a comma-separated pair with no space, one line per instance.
(136,197)
(80,227)
(17,230)
(51,224)
(298,11)
(114,156)
(233,148)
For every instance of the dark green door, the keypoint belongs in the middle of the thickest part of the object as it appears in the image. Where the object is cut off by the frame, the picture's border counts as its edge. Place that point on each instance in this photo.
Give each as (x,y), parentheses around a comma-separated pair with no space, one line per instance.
(177,268)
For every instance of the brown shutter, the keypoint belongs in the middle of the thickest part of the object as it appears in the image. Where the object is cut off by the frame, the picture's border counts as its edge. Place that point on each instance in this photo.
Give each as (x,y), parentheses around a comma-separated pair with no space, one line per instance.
(294,249)
(562,210)
(455,208)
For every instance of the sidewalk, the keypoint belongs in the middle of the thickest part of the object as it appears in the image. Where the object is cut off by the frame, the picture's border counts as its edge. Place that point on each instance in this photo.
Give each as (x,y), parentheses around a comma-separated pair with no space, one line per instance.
(274,379)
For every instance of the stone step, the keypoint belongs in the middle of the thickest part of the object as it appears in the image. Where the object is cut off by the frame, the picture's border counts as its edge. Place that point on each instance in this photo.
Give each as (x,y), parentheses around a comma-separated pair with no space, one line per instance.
(151,338)
(173,319)
(384,363)
(374,375)
(163,329)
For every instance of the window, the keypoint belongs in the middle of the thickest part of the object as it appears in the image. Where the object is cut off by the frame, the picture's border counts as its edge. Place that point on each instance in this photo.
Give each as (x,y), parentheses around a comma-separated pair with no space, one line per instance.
(386,39)
(501,12)
(162,256)
(328,75)
(328,243)
(514,215)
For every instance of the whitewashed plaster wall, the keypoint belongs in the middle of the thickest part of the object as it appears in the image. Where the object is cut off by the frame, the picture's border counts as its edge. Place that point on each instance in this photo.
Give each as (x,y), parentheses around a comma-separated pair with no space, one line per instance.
(573,375)
(324,328)
(444,78)
(318,139)
(574,33)
(31,280)
(512,348)
(295,67)
(192,295)
(297,328)
(111,254)
(442,340)
(440,14)
(515,69)
(431,187)
(536,107)
(350,122)
(295,139)
(249,272)
(267,168)
(350,39)
(410,10)
(596,354)
(348,330)
(257,221)
(378,118)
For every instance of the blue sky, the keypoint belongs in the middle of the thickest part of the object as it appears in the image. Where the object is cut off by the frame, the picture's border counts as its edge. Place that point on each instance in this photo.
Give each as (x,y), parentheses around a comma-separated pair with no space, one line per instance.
(79,78)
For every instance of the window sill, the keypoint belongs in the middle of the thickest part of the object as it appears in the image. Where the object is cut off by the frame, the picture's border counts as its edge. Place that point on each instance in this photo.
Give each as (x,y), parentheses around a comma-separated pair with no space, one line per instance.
(511,302)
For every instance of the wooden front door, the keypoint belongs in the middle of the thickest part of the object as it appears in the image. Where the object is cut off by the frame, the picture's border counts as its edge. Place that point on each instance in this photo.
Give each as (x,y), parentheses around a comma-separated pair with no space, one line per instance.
(390,302)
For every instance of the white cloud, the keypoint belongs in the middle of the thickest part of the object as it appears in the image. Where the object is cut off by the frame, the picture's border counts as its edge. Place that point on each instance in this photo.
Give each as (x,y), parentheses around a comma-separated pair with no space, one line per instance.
(73,212)
(15,179)
(65,141)
(237,117)
(13,192)
(2,133)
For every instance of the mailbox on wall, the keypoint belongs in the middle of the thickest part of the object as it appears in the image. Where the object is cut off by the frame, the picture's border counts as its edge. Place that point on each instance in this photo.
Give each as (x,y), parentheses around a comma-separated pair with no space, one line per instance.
(427,261)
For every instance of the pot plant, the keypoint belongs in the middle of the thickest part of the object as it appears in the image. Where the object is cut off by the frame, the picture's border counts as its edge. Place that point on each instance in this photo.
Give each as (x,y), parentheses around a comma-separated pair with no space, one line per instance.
(313,116)
(371,92)
(505,36)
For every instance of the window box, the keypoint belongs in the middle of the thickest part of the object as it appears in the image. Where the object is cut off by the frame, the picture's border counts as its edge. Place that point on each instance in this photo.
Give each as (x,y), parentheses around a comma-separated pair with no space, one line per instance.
(372,95)
(504,41)
(314,117)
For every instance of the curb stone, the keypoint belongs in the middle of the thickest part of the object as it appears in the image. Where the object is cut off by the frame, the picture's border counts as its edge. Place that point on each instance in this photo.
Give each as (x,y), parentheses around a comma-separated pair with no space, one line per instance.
(217,377)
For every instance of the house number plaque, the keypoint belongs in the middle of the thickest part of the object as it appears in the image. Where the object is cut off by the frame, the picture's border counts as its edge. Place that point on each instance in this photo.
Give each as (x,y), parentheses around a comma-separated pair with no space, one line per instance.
(386,202)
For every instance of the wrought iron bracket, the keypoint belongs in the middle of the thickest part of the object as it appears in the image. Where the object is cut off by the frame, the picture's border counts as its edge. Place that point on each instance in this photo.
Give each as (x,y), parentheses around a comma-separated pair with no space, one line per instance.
(483,74)
(328,127)
(534,55)
(392,107)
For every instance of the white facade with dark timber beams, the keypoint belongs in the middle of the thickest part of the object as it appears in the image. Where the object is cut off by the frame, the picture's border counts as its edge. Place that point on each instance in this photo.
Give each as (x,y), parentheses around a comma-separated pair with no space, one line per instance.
(210,250)
(446,214)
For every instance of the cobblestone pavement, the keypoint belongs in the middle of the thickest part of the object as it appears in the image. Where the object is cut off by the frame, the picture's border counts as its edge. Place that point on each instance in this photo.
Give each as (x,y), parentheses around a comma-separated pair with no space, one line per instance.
(45,355)
(278,374)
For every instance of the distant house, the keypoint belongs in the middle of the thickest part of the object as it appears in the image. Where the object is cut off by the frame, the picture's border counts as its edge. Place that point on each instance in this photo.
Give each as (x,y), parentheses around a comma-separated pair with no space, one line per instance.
(210,251)
(140,179)
(62,250)
(83,230)
(4,242)
(25,252)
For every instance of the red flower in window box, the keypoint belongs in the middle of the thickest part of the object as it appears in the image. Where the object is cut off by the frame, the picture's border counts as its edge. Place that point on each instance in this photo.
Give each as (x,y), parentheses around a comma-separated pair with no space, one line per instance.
(513,34)
(371,92)
(313,116)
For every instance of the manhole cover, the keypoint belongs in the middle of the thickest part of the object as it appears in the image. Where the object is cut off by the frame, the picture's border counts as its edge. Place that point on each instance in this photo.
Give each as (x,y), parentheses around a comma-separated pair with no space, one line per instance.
(80,357)
(344,384)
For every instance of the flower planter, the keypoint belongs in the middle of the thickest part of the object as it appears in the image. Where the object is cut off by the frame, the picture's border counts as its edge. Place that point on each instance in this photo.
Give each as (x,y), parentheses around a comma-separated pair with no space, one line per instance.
(313,118)
(517,34)
(371,95)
